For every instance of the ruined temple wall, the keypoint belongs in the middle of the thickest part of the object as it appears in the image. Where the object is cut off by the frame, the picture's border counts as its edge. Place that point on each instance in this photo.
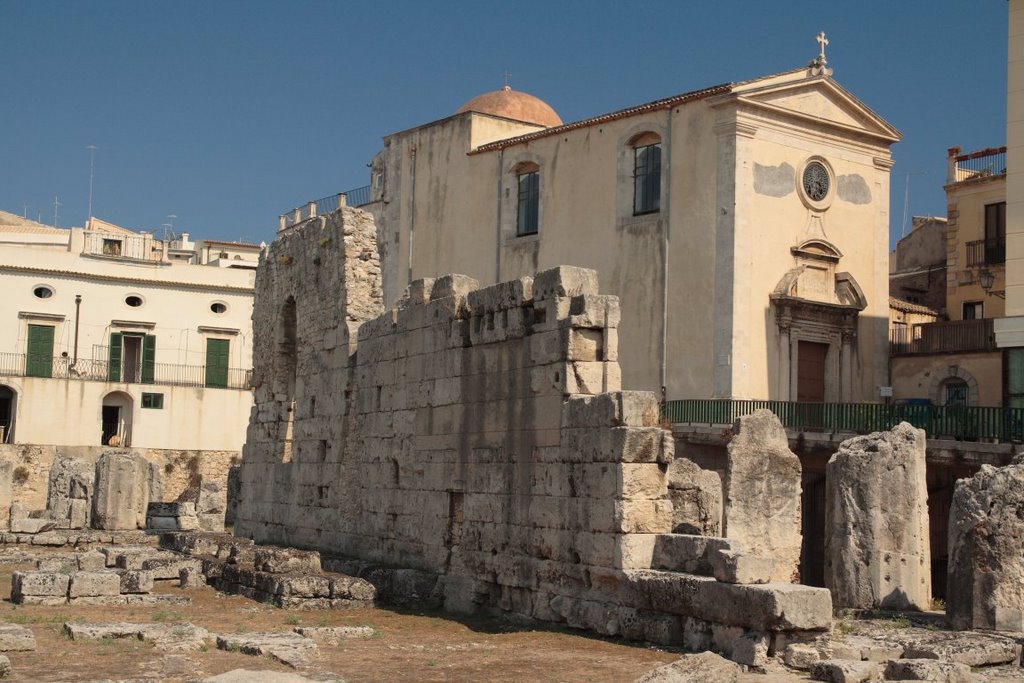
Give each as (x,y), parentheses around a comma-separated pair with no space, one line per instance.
(316,283)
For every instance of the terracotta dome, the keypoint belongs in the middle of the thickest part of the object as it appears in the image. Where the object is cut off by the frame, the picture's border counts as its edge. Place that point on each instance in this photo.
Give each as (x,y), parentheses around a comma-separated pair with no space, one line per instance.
(512,104)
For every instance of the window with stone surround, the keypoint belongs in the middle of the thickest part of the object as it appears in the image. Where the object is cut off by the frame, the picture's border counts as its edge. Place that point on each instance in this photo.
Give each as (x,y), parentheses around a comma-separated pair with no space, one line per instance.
(528,212)
(646,174)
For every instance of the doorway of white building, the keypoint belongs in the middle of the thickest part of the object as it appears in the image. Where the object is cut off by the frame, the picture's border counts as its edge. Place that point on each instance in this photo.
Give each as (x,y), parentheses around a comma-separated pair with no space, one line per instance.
(8,400)
(116,419)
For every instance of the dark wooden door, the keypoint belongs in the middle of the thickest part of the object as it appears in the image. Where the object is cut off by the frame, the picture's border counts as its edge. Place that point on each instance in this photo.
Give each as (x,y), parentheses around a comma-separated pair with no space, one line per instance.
(810,372)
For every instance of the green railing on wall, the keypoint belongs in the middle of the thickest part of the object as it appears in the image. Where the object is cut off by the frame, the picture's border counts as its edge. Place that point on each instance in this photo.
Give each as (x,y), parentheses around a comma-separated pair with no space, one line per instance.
(939,422)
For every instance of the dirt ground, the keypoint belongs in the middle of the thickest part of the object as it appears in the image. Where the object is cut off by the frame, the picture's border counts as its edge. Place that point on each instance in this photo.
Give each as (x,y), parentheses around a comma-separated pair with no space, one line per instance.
(404,647)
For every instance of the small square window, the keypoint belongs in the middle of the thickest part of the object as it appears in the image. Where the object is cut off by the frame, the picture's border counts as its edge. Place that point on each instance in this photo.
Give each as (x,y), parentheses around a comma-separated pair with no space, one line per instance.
(152,401)
(111,247)
(973,310)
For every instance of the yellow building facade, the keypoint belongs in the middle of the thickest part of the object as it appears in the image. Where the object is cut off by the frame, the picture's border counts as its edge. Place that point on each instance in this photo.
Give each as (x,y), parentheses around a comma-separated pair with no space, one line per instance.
(744,226)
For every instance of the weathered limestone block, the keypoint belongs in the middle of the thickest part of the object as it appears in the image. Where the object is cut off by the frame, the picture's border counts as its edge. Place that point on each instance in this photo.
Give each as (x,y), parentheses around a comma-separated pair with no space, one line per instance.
(27,587)
(123,488)
(209,499)
(283,560)
(564,281)
(733,566)
(136,581)
(696,496)
(94,584)
(762,493)
(687,553)
(844,671)
(928,670)
(705,667)
(190,577)
(6,493)
(287,648)
(877,551)
(70,491)
(16,638)
(985,586)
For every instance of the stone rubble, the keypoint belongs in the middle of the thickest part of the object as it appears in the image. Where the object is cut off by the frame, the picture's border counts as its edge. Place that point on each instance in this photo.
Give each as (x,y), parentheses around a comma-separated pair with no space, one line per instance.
(168,637)
(285,647)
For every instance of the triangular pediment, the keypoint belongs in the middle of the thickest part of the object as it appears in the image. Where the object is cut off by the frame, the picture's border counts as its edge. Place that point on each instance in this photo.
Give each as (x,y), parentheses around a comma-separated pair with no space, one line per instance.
(814,99)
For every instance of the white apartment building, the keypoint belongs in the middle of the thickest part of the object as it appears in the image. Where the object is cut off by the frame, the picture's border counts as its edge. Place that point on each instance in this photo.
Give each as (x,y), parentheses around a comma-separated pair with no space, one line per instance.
(110,336)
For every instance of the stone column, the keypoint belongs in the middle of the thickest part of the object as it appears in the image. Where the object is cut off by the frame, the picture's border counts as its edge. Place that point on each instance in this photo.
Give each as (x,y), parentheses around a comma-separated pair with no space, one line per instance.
(985,586)
(877,549)
(785,356)
(762,493)
(846,365)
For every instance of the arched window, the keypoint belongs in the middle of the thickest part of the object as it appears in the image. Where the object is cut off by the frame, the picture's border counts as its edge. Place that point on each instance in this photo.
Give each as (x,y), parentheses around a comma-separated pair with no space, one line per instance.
(646,173)
(528,204)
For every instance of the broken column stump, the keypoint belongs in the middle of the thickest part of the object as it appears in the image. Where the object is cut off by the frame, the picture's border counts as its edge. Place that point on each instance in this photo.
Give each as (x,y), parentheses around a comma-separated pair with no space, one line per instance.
(762,493)
(877,549)
(985,588)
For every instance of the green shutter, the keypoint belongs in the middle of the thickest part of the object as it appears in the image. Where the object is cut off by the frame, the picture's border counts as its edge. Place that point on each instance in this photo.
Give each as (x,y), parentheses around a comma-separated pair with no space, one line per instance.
(114,359)
(217,362)
(39,361)
(148,358)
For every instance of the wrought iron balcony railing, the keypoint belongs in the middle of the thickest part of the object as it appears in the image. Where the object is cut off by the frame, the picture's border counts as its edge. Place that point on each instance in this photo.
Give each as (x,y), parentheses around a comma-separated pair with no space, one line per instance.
(130,372)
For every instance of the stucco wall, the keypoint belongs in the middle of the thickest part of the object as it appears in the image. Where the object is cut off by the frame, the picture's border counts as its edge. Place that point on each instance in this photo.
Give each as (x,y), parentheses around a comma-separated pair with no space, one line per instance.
(921,377)
(69,413)
(966,208)
(730,212)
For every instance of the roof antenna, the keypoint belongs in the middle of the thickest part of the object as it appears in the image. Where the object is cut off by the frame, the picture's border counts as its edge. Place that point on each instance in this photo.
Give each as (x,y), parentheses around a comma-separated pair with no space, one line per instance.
(508,76)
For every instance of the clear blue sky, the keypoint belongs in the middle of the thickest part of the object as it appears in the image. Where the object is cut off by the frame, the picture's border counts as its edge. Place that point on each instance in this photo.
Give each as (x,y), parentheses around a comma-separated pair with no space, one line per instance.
(229,113)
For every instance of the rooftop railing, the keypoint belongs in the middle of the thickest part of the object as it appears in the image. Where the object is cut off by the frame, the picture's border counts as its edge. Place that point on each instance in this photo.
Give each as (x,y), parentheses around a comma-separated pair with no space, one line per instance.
(953,336)
(986,253)
(961,423)
(131,372)
(981,164)
(325,205)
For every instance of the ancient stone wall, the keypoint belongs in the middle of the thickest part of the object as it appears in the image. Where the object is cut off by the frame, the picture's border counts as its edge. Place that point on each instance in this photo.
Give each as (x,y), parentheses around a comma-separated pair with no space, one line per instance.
(478,434)
(26,469)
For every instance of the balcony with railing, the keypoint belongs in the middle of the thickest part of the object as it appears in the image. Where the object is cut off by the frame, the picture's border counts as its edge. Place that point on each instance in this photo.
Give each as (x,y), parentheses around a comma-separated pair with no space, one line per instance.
(984,163)
(320,207)
(986,253)
(954,336)
(110,245)
(128,371)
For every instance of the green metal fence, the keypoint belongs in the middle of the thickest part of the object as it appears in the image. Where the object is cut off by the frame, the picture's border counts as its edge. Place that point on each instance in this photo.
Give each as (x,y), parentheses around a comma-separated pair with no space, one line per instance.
(940,422)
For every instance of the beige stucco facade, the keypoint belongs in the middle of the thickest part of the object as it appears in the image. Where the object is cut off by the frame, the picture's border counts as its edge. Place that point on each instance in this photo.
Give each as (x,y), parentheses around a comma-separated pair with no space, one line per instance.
(724,281)
(103,331)
(966,204)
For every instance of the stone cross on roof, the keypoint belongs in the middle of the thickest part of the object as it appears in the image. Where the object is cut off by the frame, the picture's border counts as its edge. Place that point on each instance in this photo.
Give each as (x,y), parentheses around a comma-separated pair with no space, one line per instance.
(822,42)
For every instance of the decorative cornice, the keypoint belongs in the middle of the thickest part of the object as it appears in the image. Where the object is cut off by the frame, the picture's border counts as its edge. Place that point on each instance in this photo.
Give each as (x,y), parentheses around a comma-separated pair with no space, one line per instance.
(884,163)
(206,329)
(53,317)
(96,277)
(133,323)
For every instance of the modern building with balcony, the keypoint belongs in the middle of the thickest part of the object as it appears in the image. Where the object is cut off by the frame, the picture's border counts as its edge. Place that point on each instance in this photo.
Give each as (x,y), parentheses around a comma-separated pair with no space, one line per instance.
(955,362)
(115,337)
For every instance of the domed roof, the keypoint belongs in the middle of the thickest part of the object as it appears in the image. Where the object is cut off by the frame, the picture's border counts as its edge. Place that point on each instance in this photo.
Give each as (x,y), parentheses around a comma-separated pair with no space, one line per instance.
(512,104)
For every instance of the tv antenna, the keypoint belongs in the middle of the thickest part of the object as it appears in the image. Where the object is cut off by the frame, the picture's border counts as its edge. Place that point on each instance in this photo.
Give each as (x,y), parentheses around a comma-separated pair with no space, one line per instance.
(92,165)
(906,201)
(55,205)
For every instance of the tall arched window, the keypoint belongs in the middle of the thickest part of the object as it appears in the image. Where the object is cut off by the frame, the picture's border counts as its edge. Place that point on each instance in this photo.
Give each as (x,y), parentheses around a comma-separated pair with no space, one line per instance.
(646,173)
(528,206)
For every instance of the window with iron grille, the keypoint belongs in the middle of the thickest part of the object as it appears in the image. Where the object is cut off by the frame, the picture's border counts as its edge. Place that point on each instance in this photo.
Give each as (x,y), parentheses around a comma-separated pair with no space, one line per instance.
(995,233)
(646,179)
(528,217)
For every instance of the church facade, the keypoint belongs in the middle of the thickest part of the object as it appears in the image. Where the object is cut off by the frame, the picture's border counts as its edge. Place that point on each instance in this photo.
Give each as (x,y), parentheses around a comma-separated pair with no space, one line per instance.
(744,226)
